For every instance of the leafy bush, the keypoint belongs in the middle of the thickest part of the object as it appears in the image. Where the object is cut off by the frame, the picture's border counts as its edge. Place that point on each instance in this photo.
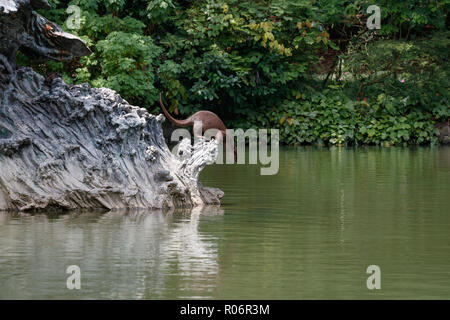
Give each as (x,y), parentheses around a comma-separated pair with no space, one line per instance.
(311,68)
(331,118)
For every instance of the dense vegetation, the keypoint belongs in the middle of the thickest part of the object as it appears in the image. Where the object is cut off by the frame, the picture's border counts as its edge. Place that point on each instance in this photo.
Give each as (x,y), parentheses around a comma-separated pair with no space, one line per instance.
(310,68)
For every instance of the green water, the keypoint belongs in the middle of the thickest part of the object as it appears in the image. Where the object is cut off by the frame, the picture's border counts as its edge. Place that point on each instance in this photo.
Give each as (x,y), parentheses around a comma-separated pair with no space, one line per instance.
(309,232)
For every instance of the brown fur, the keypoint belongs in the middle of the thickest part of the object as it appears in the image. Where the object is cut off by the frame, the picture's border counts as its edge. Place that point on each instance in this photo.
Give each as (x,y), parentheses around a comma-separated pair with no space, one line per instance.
(209,120)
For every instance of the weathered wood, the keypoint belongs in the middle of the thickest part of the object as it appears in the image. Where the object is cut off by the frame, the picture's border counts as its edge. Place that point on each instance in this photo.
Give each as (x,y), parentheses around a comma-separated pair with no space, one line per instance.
(76,147)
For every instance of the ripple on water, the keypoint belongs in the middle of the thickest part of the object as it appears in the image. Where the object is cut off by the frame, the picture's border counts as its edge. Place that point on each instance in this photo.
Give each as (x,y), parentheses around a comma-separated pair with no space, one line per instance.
(308,232)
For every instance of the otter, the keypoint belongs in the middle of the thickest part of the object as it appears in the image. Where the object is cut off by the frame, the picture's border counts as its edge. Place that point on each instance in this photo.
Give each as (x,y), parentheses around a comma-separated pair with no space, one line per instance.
(208,119)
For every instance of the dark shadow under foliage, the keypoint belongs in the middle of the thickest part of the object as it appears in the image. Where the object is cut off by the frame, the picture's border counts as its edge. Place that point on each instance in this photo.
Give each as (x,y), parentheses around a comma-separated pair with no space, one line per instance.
(309,68)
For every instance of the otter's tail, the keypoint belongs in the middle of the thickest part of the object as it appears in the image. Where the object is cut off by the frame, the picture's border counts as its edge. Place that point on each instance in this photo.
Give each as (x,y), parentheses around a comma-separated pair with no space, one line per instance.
(180,123)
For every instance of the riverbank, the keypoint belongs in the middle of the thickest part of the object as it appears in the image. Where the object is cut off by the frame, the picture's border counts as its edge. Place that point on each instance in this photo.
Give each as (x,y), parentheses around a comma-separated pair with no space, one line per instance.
(333,117)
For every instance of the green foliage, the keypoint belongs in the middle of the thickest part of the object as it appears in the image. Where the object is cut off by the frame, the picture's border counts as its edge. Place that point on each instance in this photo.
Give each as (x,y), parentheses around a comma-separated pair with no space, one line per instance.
(127,66)
(331,118)
(310,68)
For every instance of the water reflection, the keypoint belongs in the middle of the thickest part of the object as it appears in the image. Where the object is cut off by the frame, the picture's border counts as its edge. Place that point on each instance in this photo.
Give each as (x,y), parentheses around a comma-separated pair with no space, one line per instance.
(309,232)
(116,251)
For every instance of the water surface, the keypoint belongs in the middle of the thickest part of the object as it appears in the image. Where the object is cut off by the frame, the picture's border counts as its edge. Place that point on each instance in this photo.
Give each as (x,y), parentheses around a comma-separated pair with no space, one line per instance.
(309,232)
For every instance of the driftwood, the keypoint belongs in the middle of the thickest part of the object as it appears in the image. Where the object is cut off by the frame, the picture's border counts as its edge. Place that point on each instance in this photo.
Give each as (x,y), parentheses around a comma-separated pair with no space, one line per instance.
(76,147)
